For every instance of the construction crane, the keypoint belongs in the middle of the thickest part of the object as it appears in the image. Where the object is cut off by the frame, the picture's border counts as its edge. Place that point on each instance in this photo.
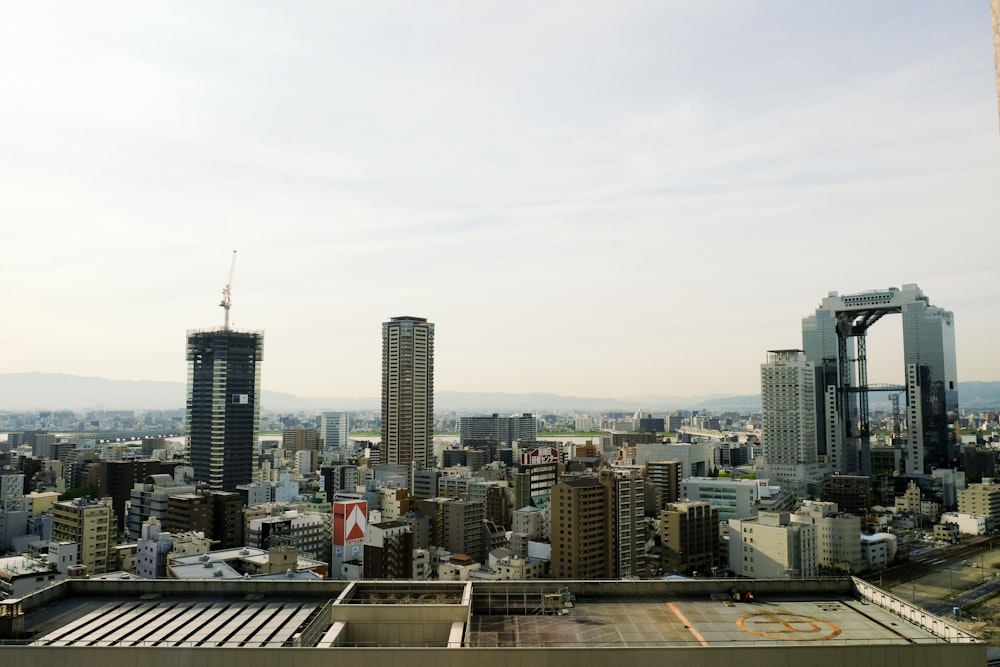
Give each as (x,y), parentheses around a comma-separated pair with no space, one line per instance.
(227,292)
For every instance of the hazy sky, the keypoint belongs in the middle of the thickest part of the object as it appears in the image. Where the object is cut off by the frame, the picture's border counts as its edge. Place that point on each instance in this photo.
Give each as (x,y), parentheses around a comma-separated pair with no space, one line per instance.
(587,198)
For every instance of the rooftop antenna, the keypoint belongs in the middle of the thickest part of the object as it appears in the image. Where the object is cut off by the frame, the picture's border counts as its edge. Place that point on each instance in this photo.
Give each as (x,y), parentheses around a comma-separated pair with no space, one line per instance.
(227,293)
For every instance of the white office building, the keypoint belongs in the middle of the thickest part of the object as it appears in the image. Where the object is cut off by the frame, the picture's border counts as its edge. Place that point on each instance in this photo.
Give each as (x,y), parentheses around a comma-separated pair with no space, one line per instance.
(788,411)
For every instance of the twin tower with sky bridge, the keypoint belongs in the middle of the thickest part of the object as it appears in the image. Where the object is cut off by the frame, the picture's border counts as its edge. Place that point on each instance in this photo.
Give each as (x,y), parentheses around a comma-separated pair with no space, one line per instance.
(815,401)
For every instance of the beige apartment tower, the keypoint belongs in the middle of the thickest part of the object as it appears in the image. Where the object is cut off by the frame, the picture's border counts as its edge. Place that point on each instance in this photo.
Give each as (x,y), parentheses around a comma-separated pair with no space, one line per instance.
(582,540)
(981,500)
(91,524)
(408,391)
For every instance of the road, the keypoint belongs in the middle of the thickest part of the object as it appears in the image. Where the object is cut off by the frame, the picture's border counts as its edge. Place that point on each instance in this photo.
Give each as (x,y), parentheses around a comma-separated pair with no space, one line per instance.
(969,597)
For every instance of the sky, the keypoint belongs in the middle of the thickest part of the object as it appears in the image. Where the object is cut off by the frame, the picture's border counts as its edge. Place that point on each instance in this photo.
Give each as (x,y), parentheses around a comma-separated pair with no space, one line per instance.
(586,198)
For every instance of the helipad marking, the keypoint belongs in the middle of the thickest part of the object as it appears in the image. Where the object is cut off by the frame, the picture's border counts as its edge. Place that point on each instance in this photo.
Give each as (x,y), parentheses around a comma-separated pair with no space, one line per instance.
(785,626)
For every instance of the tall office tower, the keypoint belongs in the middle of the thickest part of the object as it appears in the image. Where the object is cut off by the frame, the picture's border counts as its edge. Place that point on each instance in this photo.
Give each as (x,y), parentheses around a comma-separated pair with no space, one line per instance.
(223,405)
(582,538)
(788,410)
(844,432)
(408,391)
(335,427)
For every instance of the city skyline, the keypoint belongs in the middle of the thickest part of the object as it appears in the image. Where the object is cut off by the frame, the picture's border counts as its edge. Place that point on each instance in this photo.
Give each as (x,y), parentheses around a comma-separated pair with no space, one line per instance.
(660,191)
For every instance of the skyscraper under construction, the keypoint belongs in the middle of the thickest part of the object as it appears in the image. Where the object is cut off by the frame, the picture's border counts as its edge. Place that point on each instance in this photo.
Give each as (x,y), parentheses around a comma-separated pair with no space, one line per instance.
(223,406)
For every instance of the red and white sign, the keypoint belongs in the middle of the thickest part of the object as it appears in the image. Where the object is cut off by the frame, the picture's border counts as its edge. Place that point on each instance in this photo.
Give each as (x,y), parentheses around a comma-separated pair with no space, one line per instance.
(540,455)
(350,521)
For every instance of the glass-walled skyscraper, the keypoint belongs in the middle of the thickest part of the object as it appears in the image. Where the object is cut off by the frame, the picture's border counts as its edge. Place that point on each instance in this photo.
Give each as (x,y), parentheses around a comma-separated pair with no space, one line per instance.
(335,428)
(408,391)
(223,405)
(833,339)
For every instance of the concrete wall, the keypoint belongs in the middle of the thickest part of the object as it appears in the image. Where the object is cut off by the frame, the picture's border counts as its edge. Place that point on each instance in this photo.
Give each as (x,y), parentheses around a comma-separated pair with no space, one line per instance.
(936,625)
(395,624)
(962,655)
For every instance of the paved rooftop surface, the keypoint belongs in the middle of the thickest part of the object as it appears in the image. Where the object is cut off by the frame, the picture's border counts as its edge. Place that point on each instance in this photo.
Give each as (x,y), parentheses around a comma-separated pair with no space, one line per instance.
(680,622)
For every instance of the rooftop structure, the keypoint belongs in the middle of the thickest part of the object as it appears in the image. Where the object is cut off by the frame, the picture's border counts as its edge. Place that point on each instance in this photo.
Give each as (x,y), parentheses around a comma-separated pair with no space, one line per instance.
(159,623)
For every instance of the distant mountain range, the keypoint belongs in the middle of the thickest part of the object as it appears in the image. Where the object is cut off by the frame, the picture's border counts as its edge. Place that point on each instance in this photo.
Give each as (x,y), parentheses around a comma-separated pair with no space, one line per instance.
(58,391)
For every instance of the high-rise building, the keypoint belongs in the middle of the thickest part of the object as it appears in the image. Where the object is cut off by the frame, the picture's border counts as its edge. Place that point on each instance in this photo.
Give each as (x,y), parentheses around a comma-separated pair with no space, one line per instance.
(539,470)
(335,427)
(223,405)
(582,539)
(689,535)
(788,411)
(388,551)
(300,439)
(408,391)
(497,430)
(850,492)
(834,340)
(91,525)
(666,476)
(628,510)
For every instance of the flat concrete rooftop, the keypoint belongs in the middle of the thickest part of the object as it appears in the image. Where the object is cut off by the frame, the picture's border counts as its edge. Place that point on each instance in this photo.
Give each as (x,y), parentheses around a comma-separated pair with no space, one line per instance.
(639,622)
(845,615)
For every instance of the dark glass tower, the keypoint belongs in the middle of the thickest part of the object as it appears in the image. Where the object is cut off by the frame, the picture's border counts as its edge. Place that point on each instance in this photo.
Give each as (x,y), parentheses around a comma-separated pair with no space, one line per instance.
(223,407)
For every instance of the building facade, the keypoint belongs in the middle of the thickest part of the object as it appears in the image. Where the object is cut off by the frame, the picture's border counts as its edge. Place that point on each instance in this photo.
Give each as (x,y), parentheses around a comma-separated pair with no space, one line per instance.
(666,476)
(689,537)
(834,340)
(981,500)
(771,546)
(335,427)
(628,514)
(788,412)
(582,540)
(408,391)
(223,407)
(91,525)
